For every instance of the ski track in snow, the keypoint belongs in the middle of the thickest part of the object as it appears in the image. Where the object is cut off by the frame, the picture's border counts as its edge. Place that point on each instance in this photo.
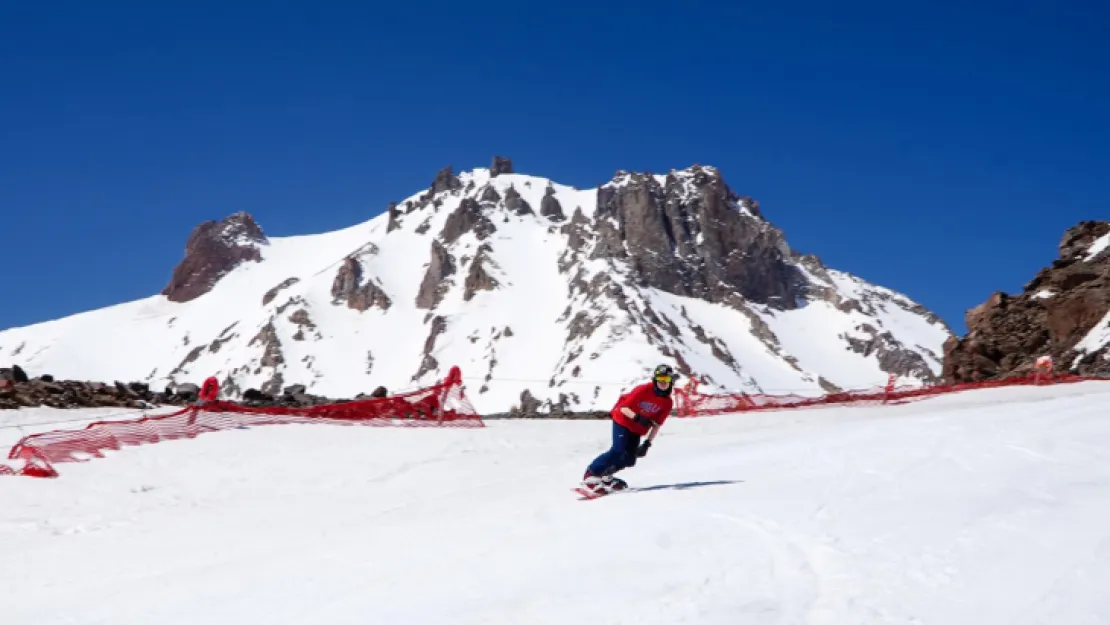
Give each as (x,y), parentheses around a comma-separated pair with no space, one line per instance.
(986,507)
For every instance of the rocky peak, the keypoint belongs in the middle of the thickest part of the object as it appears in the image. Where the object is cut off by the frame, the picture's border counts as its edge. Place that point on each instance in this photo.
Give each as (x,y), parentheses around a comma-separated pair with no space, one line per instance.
(748,204)
(501,165)
(1055,311)
(445,180)
(212,250)
(241,229)
(691,235)
(1078,241)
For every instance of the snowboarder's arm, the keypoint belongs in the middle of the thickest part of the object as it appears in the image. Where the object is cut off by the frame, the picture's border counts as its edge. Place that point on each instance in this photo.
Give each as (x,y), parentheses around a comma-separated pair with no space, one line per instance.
(634,416)
(655,429)
(642,420)
(642,450)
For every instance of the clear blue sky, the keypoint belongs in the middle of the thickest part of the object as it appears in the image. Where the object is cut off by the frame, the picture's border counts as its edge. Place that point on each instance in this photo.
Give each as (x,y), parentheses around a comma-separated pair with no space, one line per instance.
(939,148)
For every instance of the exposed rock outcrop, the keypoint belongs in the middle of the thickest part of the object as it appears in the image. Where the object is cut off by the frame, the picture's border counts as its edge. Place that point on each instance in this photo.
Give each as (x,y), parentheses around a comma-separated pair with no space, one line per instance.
(489,195)
(530,407)
(272,293)
(350,288)
(693,236)
(214,249)
(579,234)
(1056,310)
(225,336)
(439,326)
(892,356)
(446,180)
(73,394)
(550,206)
(528,403)
(468,217)
(478,278)
(272,356)
(44,390)
(15,373)
(394,217)
(516,204)
(501,165)
(434,285)
(304,323)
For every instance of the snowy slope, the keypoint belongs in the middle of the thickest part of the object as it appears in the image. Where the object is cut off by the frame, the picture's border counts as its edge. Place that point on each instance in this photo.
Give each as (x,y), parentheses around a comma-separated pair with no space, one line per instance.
(987,507)
(518,335)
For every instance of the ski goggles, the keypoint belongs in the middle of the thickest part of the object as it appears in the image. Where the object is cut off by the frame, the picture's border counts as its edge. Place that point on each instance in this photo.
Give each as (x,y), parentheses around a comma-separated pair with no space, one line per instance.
(663,377)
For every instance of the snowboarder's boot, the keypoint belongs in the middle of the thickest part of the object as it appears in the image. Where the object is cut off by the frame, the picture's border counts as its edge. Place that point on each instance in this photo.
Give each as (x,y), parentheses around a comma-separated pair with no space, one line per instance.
(613,483)
(594,484)
(602,484)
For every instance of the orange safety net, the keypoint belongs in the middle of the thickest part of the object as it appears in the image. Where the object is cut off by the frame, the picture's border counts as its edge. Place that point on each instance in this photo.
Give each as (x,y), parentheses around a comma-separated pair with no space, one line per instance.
(442,405)
(692,403)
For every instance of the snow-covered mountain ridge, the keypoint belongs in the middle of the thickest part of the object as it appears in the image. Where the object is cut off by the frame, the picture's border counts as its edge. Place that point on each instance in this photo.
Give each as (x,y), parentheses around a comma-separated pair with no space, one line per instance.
(544,294)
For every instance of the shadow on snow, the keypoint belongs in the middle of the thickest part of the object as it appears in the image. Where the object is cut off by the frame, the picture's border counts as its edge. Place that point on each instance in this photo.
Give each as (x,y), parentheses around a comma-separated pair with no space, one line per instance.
(682,485)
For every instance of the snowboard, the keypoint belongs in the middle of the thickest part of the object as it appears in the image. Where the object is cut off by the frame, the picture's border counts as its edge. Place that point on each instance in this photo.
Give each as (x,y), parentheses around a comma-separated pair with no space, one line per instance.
(585,494)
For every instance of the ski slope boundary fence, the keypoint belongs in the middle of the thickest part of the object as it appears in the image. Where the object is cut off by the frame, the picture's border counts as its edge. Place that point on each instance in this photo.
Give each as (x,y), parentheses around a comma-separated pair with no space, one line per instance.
(689,402)
(441,405)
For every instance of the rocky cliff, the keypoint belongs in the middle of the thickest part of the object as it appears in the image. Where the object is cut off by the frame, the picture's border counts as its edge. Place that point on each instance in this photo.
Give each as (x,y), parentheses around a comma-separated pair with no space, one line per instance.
(212,250)
(1062,312)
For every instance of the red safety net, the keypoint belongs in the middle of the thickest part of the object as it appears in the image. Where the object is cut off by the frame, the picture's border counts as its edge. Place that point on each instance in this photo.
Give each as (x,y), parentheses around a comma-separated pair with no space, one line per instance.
(692,403)
(442,405)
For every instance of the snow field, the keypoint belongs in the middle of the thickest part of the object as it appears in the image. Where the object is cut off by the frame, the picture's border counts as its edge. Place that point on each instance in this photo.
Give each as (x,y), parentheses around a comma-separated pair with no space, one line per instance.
(982,507)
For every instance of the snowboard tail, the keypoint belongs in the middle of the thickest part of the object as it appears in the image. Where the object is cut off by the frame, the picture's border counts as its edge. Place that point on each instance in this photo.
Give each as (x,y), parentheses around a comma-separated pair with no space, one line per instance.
(585,493)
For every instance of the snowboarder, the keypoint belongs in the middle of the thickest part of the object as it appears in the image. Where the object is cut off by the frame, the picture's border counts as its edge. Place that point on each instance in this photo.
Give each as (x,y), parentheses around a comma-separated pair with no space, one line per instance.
(636,414)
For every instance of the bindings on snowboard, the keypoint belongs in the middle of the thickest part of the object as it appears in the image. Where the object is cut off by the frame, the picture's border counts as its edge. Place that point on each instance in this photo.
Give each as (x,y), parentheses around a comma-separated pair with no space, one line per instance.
(594,486)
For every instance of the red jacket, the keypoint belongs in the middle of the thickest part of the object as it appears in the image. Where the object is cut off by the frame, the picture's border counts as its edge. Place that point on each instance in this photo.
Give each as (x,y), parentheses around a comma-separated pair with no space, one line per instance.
(644,402)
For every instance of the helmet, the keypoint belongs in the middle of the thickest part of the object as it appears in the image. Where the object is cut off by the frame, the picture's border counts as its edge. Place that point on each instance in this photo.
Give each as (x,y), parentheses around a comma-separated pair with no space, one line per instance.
(664,373)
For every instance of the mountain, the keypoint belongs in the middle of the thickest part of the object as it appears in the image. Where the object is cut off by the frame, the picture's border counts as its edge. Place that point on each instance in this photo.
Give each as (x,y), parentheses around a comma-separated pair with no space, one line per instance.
(1063,312)
(547,296)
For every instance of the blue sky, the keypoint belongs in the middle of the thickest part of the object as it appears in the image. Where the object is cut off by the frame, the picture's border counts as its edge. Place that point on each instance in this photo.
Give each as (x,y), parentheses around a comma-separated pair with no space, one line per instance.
(938,148)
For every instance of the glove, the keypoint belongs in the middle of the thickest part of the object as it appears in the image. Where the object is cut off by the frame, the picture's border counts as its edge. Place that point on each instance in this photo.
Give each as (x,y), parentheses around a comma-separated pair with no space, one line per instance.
(643,449)
(644,421)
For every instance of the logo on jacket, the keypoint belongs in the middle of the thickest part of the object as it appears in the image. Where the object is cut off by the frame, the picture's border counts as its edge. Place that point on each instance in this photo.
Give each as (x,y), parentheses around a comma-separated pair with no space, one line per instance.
(649,407)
